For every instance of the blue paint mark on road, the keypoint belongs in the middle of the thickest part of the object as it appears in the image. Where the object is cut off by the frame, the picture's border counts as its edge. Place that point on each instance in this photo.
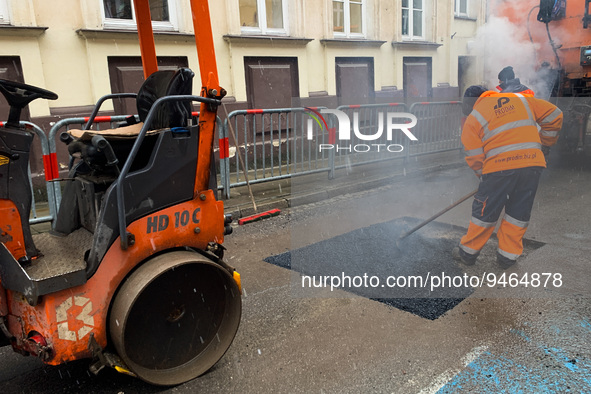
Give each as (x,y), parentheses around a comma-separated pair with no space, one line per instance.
(540,369)
(585,324)
(521,334)
(498,374)
(577,366)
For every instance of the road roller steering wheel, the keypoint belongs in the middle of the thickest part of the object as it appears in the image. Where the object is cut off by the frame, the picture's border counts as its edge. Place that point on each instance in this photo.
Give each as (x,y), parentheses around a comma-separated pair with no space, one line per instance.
(19,95)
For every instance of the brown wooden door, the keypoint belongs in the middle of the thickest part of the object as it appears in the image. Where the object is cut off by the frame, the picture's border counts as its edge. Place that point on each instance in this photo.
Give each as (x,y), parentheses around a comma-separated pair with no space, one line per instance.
(11,70)
(271,82)
(355,80)
(417,76)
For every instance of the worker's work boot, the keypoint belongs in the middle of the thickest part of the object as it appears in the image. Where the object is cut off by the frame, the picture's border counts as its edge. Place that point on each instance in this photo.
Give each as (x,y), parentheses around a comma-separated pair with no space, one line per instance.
(463,257)
(504,262)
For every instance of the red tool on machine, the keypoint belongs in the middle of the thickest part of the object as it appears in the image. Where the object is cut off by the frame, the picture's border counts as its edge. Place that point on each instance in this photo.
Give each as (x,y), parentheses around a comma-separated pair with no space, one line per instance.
(137,279)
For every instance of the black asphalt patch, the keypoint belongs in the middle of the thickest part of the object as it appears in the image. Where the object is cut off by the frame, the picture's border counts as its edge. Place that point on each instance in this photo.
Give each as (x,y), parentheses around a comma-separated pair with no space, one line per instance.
(366,262)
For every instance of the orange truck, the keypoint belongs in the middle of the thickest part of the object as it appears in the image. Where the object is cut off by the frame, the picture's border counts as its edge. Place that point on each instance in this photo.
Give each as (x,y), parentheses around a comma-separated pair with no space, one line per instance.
(560,32)
(133,275)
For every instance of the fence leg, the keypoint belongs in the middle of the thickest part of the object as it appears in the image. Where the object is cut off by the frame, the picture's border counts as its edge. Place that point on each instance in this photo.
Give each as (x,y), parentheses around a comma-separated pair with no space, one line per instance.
(331,152)
(331,164)
(406,151)
(33,208)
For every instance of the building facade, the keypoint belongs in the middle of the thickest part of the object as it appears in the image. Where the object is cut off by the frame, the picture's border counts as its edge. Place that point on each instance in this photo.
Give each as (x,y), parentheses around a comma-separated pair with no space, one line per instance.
(270,53)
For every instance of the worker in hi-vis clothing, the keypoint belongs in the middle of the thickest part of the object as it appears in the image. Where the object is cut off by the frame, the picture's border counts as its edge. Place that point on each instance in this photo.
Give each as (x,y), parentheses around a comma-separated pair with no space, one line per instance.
(509,84)
(503,136)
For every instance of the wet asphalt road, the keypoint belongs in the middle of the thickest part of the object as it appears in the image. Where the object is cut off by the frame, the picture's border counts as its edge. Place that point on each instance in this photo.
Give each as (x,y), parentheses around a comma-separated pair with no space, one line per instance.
(295,340)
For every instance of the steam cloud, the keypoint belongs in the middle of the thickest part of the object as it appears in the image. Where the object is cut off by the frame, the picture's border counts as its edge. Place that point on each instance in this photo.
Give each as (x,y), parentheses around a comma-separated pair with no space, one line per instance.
(500,43)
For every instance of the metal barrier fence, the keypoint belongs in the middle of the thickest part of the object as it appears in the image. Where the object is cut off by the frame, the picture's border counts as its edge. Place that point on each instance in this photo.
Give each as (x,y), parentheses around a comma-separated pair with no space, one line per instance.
(51,167)
(274,144)
(111,120)
(280,143)
(81,122)
(46,152)
(438,127)
(53,134)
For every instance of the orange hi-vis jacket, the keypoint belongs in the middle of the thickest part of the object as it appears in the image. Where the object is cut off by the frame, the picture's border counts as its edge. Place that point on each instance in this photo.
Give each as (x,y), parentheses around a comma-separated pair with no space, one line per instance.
(507,130)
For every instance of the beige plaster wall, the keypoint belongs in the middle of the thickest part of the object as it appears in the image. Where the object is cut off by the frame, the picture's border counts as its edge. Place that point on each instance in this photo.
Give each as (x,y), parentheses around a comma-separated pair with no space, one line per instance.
(74,65)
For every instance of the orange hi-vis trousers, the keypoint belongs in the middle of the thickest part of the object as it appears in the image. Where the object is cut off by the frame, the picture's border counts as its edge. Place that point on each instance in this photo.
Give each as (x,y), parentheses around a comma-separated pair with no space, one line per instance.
(513,190)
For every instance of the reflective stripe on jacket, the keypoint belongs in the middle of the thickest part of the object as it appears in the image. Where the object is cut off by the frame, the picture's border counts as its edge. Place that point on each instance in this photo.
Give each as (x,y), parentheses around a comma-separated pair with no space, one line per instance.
(507,130)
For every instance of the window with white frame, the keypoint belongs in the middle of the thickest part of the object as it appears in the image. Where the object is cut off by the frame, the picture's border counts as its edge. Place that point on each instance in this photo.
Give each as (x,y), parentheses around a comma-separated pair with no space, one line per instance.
(4,14)
(120,14)
(263,16)
(413,19)
(461,8)
(348,18)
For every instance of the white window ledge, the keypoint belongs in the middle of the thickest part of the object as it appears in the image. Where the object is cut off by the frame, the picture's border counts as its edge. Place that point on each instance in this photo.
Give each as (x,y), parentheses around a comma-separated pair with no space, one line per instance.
(424,44)
(22,31)
(351,42)
(465,18)
(255,38)
(131,34)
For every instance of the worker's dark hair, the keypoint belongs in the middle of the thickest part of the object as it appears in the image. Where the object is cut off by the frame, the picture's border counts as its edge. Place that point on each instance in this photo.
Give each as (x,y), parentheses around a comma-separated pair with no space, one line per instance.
(506,74)
(470,97)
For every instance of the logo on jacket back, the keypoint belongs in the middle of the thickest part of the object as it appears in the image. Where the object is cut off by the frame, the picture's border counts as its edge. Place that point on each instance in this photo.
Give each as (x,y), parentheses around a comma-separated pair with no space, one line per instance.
(501,109)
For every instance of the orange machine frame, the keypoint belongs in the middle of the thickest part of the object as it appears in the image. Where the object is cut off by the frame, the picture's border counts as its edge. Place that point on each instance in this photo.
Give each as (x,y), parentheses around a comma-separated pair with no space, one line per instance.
(207,68)
(567,33)
(68,319)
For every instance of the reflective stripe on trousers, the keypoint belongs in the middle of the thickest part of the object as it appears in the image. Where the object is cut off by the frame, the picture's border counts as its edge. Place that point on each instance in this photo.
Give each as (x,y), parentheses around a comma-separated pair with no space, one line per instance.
(510,238)
(513,190)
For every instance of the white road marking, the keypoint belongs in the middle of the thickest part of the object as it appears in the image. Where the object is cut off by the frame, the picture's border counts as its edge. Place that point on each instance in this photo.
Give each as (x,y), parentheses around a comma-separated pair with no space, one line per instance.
(449,374)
